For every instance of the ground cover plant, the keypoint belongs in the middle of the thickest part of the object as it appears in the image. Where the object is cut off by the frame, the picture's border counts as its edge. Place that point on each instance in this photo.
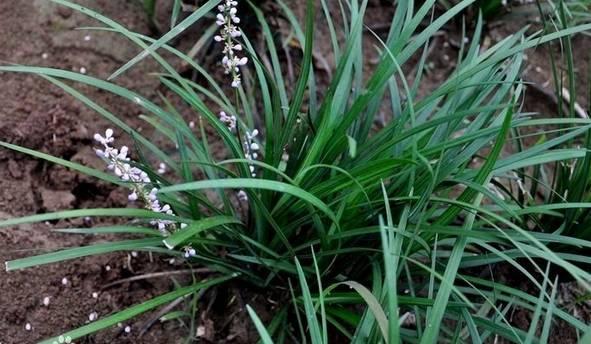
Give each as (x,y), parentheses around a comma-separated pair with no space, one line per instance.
(368,231)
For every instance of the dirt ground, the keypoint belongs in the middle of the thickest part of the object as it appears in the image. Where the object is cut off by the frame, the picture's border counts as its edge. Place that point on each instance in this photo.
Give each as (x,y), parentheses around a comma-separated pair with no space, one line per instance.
(37,115)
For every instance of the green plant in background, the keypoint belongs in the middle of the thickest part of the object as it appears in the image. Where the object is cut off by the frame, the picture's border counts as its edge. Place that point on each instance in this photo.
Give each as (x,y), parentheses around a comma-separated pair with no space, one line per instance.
(567,12)
(150,7)
(577,11)
(488,8)
(570,182)
(314,198)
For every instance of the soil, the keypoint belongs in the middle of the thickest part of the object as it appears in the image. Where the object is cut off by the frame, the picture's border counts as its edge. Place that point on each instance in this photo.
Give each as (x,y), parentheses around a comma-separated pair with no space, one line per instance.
(38,115)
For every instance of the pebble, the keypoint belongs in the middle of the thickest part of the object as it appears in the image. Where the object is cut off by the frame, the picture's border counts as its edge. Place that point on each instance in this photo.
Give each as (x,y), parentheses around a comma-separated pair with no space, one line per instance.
(64,281)
(200,331)
(64,12)
(46,301)
(28,327)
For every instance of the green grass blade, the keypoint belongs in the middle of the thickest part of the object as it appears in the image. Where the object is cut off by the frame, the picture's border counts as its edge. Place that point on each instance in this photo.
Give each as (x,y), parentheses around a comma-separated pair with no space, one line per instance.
(110,230)
(182,26)
(258,324)
(176,10)
(84,251)
(373,304)
(309,309)
(244,183)
(320,299)
(183,235)
(107,212)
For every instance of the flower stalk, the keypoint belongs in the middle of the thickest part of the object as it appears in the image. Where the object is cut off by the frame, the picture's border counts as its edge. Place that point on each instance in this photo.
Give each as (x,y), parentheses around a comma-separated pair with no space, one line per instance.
(141,186)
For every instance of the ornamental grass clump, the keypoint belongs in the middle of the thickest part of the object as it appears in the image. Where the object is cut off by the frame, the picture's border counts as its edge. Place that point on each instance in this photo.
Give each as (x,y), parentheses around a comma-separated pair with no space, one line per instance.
(369,230)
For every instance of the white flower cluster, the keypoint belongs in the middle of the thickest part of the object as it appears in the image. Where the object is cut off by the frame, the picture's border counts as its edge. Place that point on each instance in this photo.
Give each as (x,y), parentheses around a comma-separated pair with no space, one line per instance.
(250,152)
(251,149)
(229,31)
(139,181)
(189,251)
(229,121)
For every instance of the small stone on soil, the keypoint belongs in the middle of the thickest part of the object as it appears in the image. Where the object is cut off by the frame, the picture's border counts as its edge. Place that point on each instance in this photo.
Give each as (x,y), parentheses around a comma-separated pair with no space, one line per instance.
(200,331)
(64,12)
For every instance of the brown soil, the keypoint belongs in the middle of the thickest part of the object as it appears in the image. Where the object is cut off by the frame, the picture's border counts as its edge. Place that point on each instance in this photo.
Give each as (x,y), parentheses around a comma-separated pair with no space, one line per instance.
(35,114)
(38,115)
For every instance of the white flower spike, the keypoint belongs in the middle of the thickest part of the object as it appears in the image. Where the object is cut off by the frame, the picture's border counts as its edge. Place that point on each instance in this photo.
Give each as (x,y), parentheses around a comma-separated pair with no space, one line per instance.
(251,149)
(230,121)
(228,20)
(139,181)
(189,252)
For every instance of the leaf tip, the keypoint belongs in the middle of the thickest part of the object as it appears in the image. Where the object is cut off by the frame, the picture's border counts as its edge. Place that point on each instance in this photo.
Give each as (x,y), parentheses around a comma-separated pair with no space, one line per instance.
(168,245)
